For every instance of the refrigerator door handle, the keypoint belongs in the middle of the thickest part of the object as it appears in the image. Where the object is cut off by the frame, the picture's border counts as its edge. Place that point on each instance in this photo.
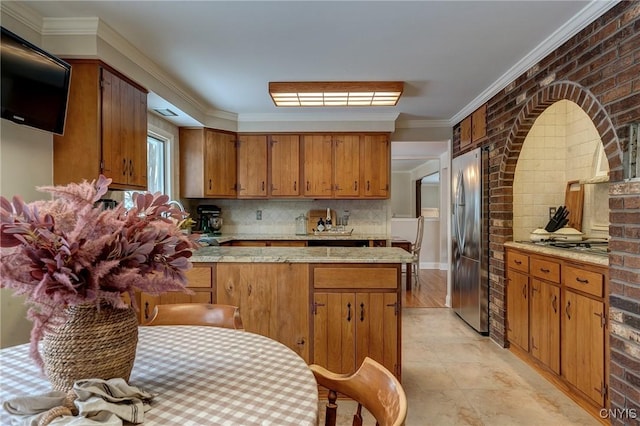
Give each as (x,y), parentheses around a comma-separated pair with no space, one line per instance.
(459,211)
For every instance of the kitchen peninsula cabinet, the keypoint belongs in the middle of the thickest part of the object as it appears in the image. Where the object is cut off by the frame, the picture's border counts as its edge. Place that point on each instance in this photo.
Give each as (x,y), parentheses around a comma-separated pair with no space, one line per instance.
(207,163)
(106,122)
(252,166)
(273,300)
(284,165)
(565,318)
(355,314)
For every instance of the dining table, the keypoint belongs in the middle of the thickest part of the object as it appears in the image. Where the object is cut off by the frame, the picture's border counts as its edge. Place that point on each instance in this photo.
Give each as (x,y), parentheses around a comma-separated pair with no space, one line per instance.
(199,375)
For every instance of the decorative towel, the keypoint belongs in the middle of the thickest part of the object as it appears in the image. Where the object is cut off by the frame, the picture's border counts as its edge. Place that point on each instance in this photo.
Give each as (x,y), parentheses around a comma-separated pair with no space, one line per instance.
(28,410)
(114,395)
(98,402)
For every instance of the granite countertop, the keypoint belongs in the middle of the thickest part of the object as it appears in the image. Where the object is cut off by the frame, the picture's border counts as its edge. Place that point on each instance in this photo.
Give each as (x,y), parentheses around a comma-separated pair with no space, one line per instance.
(223,238)
(596,259)
(221,254)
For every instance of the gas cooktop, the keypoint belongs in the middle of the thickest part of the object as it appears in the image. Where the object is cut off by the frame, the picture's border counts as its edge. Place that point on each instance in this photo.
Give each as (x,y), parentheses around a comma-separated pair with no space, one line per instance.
(595,246)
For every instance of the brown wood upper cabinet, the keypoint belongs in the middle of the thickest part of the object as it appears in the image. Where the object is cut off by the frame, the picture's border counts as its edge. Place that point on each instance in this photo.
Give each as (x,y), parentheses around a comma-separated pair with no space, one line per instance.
(474,127)
(107,123)
(252,166)
(375,166)
(346,166)
(207,163)
(284,165)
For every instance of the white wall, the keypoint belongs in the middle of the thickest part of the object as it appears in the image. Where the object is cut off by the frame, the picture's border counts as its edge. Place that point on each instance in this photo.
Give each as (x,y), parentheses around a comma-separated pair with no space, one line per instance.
(26,161)
(561,146)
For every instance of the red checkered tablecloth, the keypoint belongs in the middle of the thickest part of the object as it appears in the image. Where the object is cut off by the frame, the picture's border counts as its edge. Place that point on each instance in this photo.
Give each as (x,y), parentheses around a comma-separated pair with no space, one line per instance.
(200,376)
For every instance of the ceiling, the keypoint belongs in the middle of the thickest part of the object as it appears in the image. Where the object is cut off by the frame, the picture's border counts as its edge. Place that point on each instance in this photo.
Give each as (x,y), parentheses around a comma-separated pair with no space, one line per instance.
(221,55)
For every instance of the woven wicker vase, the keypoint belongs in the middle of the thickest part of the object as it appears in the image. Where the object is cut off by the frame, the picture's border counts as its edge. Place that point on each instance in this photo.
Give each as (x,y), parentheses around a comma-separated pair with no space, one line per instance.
(92,343)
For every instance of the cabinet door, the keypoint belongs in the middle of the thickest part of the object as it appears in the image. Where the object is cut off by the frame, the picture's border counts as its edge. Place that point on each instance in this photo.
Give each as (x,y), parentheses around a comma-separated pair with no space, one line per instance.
(346,166)
(124,132)
(545,323)
(252,166)
(220,164)
(465,132)
(377,328)
(135,127)
(114,160)
(318,166)
(273,300)
(479,123)
(583,340)
(334,331)
(284,169)
(518,309)
(376,166)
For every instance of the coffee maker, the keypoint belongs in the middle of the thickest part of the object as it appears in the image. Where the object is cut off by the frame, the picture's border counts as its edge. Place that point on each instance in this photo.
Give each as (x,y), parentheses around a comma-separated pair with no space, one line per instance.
(209,219)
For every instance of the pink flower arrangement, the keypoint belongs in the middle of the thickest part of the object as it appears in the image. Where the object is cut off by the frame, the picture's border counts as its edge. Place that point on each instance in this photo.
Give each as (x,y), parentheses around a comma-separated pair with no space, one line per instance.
(70,250)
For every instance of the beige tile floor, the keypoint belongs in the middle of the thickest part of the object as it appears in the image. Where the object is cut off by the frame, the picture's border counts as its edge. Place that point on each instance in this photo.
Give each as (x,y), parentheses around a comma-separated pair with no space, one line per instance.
(455,376)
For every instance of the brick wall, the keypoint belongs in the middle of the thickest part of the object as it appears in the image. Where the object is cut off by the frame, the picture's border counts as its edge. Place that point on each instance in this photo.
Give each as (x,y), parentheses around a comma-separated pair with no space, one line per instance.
(599,69)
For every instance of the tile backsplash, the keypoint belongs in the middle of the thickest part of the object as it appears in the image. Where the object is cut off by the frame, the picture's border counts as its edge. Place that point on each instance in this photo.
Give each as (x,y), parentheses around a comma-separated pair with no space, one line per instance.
(278,215)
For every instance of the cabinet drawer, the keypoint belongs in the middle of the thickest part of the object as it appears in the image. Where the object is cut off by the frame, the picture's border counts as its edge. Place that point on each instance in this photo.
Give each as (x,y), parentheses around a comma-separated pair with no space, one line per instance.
(546,270)
(355,278)
(199,276)
(587,281)
(518,261)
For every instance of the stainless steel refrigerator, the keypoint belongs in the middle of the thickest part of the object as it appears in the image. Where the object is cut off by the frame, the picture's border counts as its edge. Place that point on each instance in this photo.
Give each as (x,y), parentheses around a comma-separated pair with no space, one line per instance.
(470,245)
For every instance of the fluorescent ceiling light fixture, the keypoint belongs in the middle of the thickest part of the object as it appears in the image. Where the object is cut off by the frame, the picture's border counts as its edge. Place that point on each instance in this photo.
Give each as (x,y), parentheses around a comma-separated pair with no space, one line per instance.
(335,93)
(166,112)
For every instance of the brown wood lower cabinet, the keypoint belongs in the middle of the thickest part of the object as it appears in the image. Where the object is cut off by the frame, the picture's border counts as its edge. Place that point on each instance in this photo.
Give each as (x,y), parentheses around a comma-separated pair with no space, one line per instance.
(560,305)
(356,314)
(330,314)
(272,297)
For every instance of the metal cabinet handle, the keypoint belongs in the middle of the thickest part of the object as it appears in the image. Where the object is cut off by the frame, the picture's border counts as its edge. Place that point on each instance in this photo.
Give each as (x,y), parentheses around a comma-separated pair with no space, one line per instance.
(263,185)
(582,280)
(209,184)
(124,167)
(361,312)
(348,311)
(567,309)
(554,304)
(146,310)
(517,262)
(546,271)
(295,185)
(130,167)
(368,185)
(355,185)
(524,291)
(307,185)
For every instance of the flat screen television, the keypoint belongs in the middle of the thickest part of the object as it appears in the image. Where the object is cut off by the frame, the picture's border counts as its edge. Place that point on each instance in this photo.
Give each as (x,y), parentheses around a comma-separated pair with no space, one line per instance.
(35,84)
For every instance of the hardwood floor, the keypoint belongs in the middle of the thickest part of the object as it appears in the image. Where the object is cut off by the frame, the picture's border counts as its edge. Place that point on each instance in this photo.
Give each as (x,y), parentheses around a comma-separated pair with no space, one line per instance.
(430,293)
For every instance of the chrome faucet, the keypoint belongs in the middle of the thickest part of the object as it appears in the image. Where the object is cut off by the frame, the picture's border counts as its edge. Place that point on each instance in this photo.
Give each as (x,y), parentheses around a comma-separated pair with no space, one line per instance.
(178,204)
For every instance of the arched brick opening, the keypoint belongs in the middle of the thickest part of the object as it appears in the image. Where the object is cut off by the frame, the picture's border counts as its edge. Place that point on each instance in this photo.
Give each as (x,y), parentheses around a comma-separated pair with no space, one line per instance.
(501,219)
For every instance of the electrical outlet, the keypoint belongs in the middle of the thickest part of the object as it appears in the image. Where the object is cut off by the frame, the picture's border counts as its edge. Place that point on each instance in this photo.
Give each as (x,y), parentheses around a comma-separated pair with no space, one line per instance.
(258,214)
(552,212)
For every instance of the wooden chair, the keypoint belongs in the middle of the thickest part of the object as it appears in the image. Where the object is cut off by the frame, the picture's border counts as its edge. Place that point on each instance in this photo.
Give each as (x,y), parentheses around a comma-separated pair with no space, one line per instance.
(372,386)
(215,315)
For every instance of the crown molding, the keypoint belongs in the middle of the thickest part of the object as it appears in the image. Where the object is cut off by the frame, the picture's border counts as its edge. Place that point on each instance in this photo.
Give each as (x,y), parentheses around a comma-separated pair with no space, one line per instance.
(24,15)
(574,25)
(421,124)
